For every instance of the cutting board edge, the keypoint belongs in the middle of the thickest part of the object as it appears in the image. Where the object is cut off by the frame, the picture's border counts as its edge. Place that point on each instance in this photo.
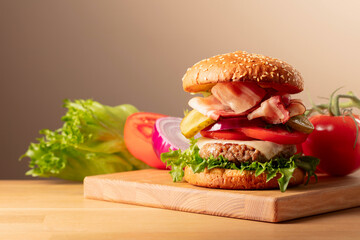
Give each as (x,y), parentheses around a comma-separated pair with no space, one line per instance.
(248,212)
(332,196)
(270,206)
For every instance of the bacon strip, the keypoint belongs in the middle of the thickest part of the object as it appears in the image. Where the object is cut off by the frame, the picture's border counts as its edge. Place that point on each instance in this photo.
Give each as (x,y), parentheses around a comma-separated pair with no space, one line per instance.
(229,100)
(208,106)
(272,110)
(240,99)
(238,96)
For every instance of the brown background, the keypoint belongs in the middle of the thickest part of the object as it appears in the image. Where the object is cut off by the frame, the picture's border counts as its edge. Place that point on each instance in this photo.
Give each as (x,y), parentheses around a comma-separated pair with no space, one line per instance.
(137,51)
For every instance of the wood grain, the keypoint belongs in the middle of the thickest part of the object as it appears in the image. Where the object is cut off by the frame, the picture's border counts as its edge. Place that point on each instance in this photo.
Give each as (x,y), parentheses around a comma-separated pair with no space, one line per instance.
(55,209)
(154,188)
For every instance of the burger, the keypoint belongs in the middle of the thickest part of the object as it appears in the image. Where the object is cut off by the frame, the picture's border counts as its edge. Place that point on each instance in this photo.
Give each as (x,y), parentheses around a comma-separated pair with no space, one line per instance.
(244,127)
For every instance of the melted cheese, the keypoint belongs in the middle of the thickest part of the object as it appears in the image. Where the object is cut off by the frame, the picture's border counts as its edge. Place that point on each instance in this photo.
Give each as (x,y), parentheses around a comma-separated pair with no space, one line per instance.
(268,149)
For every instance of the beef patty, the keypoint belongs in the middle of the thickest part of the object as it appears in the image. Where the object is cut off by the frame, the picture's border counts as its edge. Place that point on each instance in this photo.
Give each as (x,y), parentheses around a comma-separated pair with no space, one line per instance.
(240,153)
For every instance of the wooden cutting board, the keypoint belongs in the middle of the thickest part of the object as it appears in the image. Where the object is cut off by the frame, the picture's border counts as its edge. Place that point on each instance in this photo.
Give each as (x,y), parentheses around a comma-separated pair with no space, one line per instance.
(155,188)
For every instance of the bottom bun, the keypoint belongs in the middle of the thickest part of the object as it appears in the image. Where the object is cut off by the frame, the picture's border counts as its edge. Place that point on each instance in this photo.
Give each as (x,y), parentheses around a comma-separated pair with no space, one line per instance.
(234,179)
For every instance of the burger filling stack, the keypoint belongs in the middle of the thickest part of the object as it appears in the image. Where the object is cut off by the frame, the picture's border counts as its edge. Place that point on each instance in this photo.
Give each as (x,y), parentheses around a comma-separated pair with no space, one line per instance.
(248,122)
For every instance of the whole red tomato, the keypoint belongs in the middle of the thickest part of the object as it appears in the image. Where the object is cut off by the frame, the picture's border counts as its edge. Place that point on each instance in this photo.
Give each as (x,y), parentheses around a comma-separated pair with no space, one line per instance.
(332,141)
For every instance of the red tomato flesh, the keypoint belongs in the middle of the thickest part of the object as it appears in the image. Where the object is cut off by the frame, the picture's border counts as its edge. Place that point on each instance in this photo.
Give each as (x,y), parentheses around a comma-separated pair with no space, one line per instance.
(256,129)
(137,137)
(274,134)
(332,141)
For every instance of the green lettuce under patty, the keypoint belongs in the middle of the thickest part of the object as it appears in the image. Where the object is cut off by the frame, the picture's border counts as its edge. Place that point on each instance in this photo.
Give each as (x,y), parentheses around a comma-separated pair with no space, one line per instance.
(285,166)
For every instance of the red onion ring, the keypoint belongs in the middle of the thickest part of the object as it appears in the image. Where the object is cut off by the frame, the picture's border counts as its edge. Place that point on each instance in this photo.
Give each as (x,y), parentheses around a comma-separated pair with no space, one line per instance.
(167,135)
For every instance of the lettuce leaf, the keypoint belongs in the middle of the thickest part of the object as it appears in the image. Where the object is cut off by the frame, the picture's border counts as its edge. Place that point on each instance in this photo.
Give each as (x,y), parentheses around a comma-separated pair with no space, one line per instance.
(286,167)
(90,142)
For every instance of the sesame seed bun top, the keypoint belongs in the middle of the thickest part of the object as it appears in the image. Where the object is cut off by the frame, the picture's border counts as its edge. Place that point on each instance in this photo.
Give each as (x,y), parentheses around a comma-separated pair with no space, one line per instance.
(241,66)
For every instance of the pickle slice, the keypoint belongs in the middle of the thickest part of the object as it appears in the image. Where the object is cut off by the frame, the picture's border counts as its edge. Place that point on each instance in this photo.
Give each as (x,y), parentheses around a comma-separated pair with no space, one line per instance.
(193,122)
(300,123)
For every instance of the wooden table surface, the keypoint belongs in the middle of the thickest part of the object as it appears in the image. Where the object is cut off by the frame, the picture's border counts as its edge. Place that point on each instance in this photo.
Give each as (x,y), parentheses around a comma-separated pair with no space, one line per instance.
(55,209)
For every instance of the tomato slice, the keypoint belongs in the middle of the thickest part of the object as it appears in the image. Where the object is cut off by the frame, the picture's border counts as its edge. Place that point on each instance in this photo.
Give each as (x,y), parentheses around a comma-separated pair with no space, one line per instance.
(137,136)
(225,134)
(274,134)
(250,130)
